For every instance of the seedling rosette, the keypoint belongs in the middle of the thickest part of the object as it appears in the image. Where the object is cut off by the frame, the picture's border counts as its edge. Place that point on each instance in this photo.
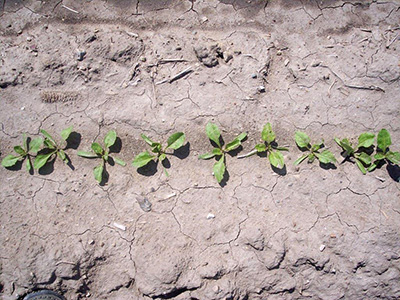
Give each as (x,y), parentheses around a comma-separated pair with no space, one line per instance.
(303,141)
(98,151)
(358,155)
(26,152)
(383,154)
(174,142)
(219,152)
(270,147)
(53,148)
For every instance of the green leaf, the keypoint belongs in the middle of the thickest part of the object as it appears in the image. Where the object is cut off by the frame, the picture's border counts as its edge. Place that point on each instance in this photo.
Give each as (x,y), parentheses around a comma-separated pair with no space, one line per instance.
(364,157)
(219,169)
(98,173)
(384,140)
(35,144)
(41,160)
(276,159)
(366,140)
(48,136)
(49,144)
(217,151)
(261,147)
(394,157)
(156,148)
(19,150)
(9,161)
(300,159)
(361,166)
(372,167)
(302,139)
(97,148)
(87,154)
(325,157)
(346,146)
(267,134)
(282,148)
(65,133)
(379,156)
(176,140)
(213,133)
(236,142)
(311,157)
(147,140)
(119,161)
(142,159)
(105,155)
(62,155)
(162,157)
(317,146)
(206,156)
(241,136)
(110,138)
(28,165)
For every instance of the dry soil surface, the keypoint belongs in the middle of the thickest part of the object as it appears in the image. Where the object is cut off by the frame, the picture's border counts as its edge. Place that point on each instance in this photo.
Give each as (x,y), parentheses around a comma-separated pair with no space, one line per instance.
(330,68)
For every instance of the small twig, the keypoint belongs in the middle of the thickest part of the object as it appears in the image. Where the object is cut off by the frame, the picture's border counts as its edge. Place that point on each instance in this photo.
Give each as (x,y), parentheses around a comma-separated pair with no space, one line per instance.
(70,9)
(181,74)
(132,34)
(365,30)
(329,90)
(392,41)
(371,87)
(248,154)
(171,60)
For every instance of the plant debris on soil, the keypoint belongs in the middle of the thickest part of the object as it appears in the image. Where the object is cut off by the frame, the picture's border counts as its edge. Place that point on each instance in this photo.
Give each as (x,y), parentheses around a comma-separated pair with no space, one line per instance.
(327,68)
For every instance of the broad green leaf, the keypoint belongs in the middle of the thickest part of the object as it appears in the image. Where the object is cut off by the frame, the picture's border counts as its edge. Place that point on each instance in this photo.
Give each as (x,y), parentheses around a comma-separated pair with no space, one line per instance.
(9,161)
(317,146)
(147,140)
(65,133)
(49,144)
(47,135)
(156,148)
(213,133)
(282,148)
(261,147)
(206,156)
(364,157)
(35,144)
(217,151)
(142,159)
(219,169)
(232,145)
(97,148)
(98,173)
(241,136)
(267,134)
(176,140)
(379,156)
(346,146)
(276,159)
(326,157)
(28,164)
(372,167)
(302,139)
(361,166)
(87,154)
(41,160)
(110,138)
(384,140)
(19,150)
(62,155)
(394,157)
(300,159)
(162,157)
(366,140)
(119,161)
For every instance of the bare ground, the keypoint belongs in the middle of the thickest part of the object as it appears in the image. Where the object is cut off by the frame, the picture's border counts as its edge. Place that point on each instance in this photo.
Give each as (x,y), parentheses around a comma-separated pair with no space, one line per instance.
(330,68)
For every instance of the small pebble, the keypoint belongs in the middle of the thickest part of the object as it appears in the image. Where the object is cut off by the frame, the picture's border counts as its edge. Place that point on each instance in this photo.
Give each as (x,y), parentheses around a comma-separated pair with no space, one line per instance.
(210,216)
(216,289)
(254,76)
(119,226)
(91,242)
(286,62)
(29,38)
(23,108)
(81,55)
(279,52)
(322,248)
(261,89)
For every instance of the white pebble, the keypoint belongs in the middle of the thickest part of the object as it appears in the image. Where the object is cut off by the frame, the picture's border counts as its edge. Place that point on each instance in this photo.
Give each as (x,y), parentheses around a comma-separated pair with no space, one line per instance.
(119,226)
(322,248)
(210,216)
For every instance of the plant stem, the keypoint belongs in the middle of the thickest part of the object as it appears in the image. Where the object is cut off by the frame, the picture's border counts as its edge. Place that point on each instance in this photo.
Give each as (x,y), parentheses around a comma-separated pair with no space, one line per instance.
(248,154)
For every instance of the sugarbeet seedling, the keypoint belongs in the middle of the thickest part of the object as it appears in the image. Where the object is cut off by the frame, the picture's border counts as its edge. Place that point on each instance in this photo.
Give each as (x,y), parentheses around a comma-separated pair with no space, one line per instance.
(174,142)
(361,158)
(303,142)
(214,135)
(52,147)
(103,153)
(383,154)
(270,147)
(25,151)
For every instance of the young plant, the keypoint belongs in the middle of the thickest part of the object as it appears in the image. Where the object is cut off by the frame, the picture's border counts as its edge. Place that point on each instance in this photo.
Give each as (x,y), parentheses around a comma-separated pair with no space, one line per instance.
(103,153)
(303,142)
(174,142)
(26,151)
(270,147)
(361,158)
(383,154)
(214,135)
(52,148)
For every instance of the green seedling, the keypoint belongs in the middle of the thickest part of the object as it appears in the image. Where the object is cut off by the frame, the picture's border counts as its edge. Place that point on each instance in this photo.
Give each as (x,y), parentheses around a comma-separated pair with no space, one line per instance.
(52,148)
(383,154)
(103,153)
(214,135)
(27,151)
(361,158)
(270,147)
(174,142)
(304,143)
